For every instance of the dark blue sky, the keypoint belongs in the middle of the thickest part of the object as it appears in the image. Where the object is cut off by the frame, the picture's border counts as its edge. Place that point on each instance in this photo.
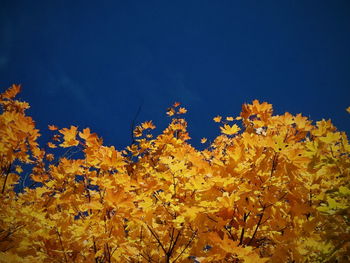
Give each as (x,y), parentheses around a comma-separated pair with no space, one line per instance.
(93,63)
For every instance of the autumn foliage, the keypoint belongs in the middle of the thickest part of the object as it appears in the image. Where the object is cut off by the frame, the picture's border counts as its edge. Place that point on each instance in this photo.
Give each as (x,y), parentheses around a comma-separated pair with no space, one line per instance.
(270,188)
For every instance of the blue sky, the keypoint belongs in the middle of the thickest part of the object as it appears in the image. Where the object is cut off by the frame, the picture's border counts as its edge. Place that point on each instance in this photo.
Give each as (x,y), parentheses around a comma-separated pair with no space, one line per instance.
(94,63)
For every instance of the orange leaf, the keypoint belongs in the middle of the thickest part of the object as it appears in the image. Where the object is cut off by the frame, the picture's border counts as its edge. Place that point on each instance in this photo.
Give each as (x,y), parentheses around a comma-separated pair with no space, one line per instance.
(11,92)
(51,145)
(182,110)
(50,157)
(170,112)
(52,127)
(217,118)
(148,125)
(69,136)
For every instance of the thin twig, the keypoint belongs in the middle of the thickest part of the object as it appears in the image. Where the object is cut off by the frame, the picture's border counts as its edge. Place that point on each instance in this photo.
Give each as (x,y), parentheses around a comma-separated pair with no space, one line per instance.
(6,176)
(157,238)
(186,246)
(171,249)
(133,123)
(64,252)
(256,228)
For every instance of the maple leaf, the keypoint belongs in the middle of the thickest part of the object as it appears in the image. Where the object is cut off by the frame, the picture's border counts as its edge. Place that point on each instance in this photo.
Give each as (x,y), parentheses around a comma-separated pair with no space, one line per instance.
(148,125)
(69,136)
(51,145)
(330,137)
(230,130)
(52,127)
(91,139)
(50,157)
(11,92)
(138,131)
(203,140)
(217,119)
(170,111)
(182,110)
(18,169)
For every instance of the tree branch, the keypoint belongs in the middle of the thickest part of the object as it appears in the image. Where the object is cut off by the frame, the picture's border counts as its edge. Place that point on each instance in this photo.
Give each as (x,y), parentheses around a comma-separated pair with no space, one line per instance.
(157,238)
(6,176)
(133,123)
(256,228)
(64,252)
(186,246)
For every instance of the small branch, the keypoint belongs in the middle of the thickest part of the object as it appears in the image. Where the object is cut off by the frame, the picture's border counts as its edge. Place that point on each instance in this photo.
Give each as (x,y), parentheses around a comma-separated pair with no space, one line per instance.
(24,180)
(6,176)
(241,237)
(274,164)
(157,238)
(171,235)
(186,246)
(107,253)
(133,123)
(148,258)
(229,232)
(95,249)
(256,229)
(245,217)
(171,249)
(112,252)
(174,183)
(64,252)
(164,205)
(212,219)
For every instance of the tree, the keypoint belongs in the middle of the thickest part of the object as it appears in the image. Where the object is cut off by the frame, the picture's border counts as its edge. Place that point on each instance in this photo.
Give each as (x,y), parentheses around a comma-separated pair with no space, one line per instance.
(273,189)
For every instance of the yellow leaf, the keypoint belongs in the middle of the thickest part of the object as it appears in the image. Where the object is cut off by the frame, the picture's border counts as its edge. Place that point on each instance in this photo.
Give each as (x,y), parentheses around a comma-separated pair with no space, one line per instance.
(51,145)
(182,111)
(170,111)
(344,190)
(148,125)
(69,136)
(230,130)
(18,169)
(330,137)
(147,203)
(279,144)
(94,205)
(179,220)
(138,131)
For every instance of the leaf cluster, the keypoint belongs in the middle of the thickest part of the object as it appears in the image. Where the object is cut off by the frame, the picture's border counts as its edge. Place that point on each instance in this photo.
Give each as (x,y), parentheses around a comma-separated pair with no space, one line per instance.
(269,188)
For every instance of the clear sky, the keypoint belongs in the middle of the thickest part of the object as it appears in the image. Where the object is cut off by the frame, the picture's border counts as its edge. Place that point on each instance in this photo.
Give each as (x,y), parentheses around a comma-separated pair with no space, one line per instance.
(94,63)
